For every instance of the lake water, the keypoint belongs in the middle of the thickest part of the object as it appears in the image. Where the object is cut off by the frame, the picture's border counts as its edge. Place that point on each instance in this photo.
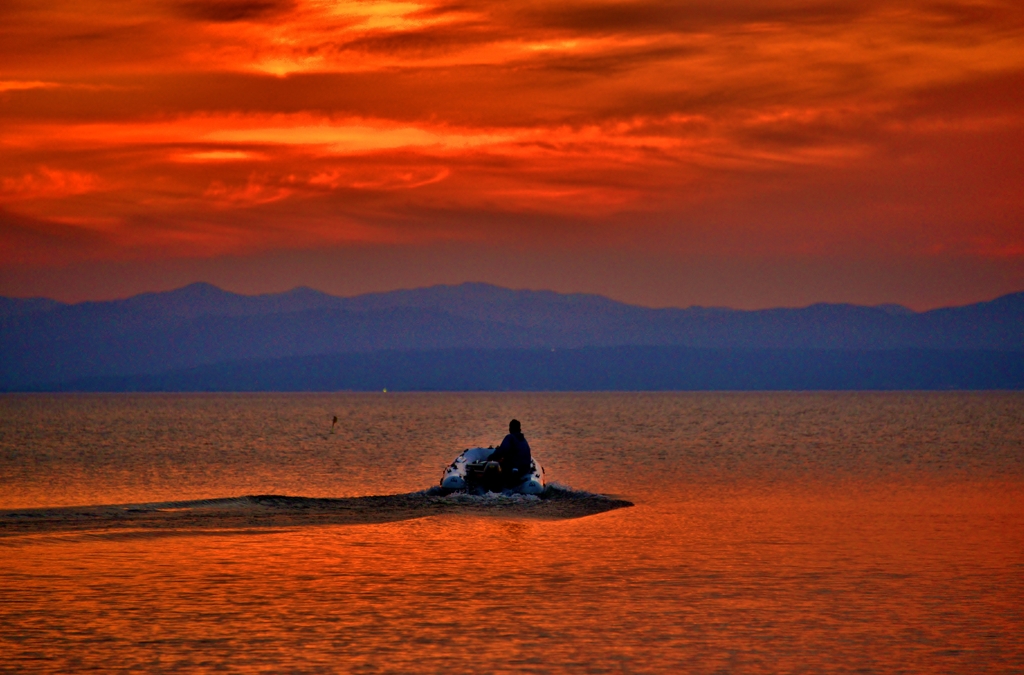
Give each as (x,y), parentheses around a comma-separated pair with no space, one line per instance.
(771,533)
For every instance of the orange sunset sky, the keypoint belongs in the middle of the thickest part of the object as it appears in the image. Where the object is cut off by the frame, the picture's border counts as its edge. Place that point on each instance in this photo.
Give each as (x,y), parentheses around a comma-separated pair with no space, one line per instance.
(715,152)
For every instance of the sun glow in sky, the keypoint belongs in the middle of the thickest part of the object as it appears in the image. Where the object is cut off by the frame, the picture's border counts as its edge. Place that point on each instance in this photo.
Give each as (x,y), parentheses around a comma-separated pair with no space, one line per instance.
(666,153)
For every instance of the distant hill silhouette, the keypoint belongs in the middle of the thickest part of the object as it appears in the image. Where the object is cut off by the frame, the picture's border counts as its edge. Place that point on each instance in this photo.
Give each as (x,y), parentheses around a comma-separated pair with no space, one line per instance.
(45,344)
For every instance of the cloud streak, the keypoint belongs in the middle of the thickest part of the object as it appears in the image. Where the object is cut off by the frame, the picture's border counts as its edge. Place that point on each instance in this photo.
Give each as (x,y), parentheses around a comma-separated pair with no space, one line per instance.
(790,128)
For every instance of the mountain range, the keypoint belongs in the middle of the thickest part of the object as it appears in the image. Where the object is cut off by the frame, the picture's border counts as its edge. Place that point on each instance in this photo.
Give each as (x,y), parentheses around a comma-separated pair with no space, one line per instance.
(202,337)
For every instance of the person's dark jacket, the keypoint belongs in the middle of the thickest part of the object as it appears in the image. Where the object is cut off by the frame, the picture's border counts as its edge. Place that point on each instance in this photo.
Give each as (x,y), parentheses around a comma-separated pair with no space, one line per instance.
(513,453)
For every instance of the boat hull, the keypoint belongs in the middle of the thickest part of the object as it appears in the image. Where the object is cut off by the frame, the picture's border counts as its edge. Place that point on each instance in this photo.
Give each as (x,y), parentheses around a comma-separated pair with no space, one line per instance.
(456,476)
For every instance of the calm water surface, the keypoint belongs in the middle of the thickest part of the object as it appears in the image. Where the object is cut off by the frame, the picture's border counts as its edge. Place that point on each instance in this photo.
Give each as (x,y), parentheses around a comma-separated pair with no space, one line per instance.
(771,533)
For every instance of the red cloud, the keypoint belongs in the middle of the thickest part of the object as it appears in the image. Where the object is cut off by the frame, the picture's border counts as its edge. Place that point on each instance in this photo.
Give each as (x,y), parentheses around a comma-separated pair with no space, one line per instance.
(761,130)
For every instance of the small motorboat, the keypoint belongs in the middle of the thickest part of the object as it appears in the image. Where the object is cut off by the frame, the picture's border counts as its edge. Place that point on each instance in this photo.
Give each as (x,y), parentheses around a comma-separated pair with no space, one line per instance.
(473,473)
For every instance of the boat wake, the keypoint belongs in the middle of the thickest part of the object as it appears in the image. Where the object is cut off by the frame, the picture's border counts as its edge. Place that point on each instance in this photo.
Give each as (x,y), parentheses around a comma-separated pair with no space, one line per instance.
(280,511)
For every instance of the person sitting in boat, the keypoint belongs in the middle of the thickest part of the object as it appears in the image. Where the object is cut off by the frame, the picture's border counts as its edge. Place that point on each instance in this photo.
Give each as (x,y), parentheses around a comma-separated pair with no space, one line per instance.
(513,455)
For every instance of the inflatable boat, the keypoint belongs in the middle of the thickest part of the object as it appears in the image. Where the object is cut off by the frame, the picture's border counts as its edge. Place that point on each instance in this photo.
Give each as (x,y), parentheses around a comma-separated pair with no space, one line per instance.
(473,473)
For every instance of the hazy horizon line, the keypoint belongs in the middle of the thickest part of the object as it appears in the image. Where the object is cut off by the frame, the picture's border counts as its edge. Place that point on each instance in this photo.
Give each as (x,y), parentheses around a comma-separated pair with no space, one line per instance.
(301,287)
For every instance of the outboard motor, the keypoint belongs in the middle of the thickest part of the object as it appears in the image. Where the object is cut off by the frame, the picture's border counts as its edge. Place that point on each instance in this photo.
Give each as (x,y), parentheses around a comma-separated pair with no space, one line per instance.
(485,474)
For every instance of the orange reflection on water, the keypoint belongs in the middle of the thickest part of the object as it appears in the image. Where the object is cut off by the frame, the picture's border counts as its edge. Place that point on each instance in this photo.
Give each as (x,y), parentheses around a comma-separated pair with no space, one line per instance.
(922,578)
